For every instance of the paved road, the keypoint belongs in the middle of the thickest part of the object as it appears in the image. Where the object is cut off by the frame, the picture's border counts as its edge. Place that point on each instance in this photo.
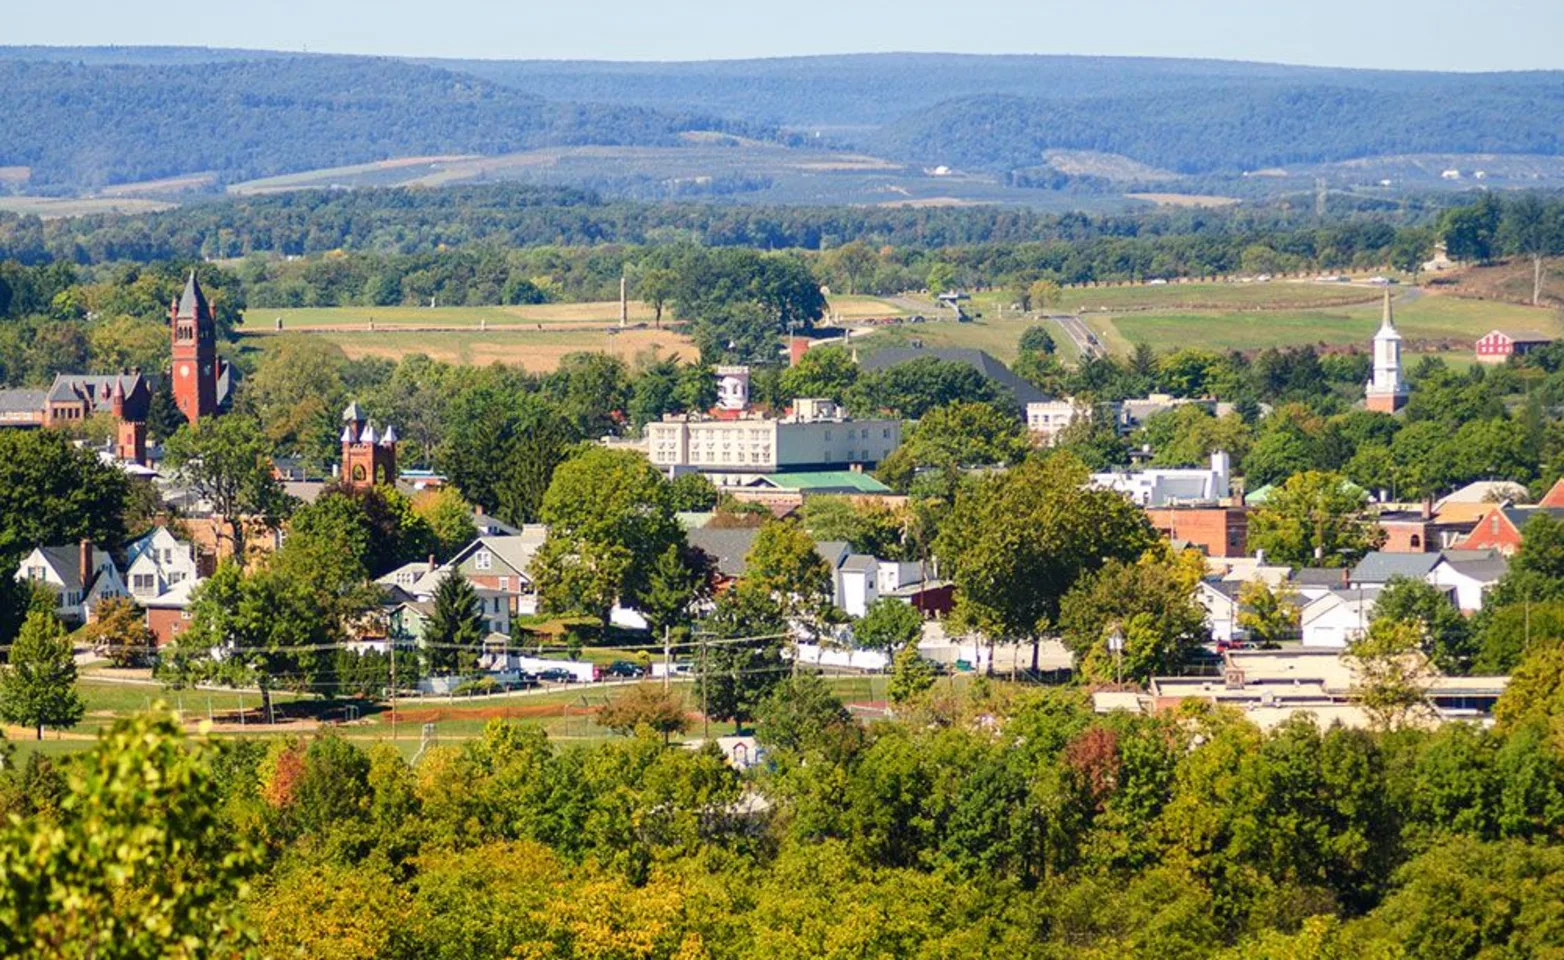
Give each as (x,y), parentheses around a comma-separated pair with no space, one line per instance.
(1079,333)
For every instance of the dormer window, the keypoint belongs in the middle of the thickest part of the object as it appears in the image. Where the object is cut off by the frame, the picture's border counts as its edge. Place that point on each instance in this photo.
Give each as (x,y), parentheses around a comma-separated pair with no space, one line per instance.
(483,560)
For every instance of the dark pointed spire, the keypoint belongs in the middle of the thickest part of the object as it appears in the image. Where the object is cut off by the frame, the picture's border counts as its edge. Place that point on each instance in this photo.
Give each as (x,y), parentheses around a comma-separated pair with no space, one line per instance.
(192,303)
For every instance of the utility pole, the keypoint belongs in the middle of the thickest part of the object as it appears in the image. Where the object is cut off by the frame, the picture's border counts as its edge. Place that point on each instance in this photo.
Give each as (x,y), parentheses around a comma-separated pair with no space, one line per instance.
(624,303)
(705,689)
(667,658)
(393,691)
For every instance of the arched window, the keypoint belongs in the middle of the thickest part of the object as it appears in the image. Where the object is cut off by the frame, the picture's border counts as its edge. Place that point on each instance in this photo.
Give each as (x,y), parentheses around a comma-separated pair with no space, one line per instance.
(1417,542)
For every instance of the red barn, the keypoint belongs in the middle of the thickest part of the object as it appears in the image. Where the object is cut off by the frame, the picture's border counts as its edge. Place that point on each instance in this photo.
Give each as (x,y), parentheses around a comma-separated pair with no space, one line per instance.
(1497,346)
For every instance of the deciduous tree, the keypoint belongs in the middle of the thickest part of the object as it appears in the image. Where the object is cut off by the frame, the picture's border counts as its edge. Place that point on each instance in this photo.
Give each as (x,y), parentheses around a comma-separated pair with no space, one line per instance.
(38,683)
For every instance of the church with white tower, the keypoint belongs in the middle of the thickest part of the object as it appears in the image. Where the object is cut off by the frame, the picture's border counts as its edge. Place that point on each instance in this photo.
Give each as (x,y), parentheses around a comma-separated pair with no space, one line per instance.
(1386,391)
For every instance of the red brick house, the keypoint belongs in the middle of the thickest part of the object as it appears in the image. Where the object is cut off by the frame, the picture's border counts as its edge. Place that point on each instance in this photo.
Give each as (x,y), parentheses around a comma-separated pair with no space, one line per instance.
(1497,346)
(1502,528)
(1218,531)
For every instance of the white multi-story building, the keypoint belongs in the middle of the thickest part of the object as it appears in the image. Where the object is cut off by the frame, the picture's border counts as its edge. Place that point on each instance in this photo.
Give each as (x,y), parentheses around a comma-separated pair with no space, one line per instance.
(1046,419)
(158,562)
(1165,487)
(817,436)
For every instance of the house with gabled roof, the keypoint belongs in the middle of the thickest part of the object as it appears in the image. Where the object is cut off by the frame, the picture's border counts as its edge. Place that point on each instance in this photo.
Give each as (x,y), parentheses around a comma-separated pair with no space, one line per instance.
(81,576)
(1502,527)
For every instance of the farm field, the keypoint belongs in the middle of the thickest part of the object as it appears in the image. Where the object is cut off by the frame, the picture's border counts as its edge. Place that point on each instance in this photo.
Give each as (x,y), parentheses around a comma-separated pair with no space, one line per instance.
(595,313)
(49,208)
(536,351)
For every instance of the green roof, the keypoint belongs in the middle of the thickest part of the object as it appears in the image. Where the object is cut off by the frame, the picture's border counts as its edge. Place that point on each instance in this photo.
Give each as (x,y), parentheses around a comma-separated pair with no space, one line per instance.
(827,481)
(1264,494)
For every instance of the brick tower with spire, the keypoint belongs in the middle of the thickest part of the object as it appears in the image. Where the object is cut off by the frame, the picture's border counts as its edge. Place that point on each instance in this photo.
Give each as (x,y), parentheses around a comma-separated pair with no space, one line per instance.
(195,366)
(368,457)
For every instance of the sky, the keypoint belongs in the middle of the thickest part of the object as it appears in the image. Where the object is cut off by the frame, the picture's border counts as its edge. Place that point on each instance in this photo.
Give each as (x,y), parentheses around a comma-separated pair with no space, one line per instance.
(1394,34)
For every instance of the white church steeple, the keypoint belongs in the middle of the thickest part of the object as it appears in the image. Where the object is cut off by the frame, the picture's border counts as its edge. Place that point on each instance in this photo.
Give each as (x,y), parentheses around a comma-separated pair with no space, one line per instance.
(1386,391)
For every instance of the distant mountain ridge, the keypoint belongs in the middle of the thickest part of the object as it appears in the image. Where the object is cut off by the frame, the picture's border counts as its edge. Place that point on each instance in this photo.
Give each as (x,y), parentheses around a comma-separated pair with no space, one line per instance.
(85,117)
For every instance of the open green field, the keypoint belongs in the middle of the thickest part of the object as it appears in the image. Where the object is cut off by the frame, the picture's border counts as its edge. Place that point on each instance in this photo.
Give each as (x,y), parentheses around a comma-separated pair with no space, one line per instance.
(565,713)
(1255,316)
(1429,324)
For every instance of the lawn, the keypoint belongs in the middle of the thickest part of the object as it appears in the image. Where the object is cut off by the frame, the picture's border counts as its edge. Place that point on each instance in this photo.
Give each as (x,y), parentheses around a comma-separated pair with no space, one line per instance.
(564,713)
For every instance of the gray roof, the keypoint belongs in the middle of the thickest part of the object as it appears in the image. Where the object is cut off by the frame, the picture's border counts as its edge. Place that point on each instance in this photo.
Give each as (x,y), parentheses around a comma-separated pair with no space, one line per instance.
(978,360)
(727,546)
(22,401)
(1486,566)
(1381,567)
(95,388)
(64,561)
(1520,515)
(860,562)
(1318,576)
(1526,336)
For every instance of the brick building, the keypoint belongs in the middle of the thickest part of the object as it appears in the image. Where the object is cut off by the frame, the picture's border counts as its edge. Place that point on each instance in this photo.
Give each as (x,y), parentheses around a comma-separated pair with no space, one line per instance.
(1218,531)
(1497,346)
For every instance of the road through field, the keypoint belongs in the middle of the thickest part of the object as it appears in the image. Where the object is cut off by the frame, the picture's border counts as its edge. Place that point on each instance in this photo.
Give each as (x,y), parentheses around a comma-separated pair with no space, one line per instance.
(1079,333)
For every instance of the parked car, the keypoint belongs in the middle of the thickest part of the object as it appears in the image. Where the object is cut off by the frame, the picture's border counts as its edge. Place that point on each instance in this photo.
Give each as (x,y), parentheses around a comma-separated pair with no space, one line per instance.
(622,670)
(556,675)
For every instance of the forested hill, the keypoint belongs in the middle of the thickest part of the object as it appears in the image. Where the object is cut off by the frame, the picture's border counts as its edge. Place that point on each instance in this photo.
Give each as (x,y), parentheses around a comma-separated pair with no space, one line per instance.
(86,125)
(1234,127)
(86,117)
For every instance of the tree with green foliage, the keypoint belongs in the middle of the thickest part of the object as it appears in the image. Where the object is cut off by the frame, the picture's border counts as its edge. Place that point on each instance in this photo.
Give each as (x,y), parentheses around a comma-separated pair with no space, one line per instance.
(609,520)
(912,388)
(144,824)
(657,287)
(870,528)
(1391,673)
(1270,614)
(691,493)
(228,462)
(824,372)
(941,278)
(1042,295)
(802,713)
(741,663)
(955,436)
(1316,519)
(1150,601)
(1532,228)
(453,634)
(449,518)
(854,262)
(1535,693)
(911,676)
(52,493)
(783,564)
(591,390)
(1017,542)
(38,681)
(679,581)
(502,447)
(1036,339)
(1447,635)
(889,624)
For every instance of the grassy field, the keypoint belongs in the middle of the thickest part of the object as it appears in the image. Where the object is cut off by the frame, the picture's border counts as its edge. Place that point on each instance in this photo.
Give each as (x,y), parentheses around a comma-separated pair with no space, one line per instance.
(1429,324)
(1234,317)
(565,713)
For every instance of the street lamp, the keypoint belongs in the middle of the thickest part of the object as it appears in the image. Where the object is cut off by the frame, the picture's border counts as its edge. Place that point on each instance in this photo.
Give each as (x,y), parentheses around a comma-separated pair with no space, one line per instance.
(1116,647)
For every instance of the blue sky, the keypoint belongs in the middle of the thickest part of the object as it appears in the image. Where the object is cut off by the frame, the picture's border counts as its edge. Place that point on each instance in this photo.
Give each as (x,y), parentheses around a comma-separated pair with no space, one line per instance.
(1401,34)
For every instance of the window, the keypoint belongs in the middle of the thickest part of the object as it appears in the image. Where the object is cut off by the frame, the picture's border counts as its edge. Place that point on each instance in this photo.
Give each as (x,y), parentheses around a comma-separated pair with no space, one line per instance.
(184,614)
(176,577)
(505,583)
(483,560)
(1417,542)
(1493,525)
(143,582)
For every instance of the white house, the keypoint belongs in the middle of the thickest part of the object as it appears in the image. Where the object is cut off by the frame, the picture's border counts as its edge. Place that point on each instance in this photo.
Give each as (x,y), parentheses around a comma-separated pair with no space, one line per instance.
(156,563)
(1468,575)
(1338,618)
(81,577)
(1046,419)
(1220,598)
(1163,487)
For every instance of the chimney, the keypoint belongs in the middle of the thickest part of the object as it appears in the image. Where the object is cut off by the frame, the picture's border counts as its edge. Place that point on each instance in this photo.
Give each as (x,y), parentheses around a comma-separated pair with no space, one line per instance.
(432,564)
(84,563)
(1428,508)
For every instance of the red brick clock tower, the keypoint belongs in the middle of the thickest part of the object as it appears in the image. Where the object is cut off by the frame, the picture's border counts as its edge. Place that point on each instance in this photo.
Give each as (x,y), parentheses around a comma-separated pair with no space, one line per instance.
(195,366)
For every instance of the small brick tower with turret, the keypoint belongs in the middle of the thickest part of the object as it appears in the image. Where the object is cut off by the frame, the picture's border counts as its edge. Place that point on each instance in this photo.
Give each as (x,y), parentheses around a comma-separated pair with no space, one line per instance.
(195,366)
(130,435)
(368,457)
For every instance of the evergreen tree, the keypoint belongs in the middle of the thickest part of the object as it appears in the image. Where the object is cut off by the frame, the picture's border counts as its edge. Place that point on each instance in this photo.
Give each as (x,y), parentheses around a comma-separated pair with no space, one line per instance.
(38,686)
(454,633)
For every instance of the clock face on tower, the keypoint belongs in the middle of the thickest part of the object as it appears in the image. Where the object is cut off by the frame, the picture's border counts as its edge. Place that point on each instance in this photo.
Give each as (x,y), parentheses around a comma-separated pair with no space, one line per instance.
(184,369)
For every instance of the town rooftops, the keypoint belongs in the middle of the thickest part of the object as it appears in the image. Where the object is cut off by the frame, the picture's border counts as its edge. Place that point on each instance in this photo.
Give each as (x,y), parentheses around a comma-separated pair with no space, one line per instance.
(1486,566)
(1382,567)
(22,401)
(727,546)
(95,388)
